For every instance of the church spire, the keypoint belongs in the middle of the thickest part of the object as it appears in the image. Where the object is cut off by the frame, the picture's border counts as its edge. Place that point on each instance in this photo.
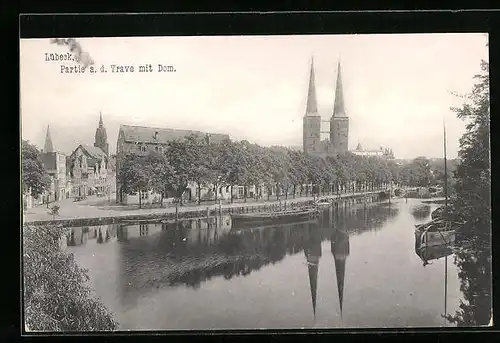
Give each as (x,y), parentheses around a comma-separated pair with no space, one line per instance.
(312,104)
(340,251)
(313,254)
(48,142)
(338,107)
(313,283)
(100,120)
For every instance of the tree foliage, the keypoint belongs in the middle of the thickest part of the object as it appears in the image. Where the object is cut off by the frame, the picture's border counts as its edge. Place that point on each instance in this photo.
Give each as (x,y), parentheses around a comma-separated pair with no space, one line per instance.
(33,173)
(473,203)
(57,295)
(213,164)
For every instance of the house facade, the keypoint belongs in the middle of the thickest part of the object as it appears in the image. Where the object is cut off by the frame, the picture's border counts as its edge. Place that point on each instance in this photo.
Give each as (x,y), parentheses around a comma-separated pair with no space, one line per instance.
(88,169)
(382,152)
(55,165)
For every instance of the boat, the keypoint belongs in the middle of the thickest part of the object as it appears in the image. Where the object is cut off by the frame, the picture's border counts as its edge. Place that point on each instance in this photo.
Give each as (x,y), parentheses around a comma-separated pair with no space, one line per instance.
(279,216)
(322,203)
(252,226)
(439,231)
(431,253)
(434,233)
(143,221)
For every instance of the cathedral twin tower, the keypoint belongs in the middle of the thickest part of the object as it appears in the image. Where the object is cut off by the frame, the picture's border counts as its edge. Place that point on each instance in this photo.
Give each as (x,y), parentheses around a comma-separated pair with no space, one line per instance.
(339,122)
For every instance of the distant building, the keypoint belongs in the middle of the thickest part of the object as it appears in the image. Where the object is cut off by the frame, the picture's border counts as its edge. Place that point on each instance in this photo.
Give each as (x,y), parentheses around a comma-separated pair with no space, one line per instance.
(382,152)
(89,167)
(88,170)
(101,138)
(55,165)
(143,140)
(339,122)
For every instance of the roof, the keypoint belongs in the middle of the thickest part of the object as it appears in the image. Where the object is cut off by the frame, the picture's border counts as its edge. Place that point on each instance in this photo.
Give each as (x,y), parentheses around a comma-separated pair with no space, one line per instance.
(142,134)
(94,152)
(48,147)
(338,106)
(312,105)
(359,147)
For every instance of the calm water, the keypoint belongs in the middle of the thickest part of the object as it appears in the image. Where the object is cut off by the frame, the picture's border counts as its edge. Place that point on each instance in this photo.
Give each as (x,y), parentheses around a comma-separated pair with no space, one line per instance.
(353,267)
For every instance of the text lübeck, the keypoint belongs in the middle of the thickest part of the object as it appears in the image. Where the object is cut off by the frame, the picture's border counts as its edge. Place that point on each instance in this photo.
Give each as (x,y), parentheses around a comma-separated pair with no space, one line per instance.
(58,57)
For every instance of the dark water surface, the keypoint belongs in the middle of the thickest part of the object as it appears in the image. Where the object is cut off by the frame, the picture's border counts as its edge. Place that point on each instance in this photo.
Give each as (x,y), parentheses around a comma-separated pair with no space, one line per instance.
(353,267)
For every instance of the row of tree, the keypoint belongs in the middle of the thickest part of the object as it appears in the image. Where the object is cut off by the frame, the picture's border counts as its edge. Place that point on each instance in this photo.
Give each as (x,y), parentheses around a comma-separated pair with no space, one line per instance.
(229,163)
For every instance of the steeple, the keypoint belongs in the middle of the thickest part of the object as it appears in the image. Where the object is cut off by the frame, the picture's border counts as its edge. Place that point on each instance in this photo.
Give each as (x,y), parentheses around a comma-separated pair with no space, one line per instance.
(340,251)
(48,142)
(101,138)
(313,254)
(338,107)
(313,283)
(312,104)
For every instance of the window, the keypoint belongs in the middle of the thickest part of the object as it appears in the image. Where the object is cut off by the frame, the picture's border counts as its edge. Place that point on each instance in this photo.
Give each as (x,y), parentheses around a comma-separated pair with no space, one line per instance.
(156,148)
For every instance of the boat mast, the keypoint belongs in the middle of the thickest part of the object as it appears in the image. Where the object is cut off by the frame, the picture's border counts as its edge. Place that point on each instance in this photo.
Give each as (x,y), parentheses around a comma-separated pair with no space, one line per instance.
(446,209)
(445,171)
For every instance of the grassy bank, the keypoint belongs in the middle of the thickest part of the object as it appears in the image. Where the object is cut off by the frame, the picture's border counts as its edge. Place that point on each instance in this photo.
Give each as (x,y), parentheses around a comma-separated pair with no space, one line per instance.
(57,295)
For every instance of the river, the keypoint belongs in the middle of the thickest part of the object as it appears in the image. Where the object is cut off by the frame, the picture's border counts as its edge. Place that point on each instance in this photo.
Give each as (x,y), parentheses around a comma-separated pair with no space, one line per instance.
(354,267)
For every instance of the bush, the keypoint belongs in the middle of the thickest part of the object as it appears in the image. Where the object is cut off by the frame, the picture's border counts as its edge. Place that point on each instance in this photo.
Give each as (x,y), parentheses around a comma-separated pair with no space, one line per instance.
(57,295)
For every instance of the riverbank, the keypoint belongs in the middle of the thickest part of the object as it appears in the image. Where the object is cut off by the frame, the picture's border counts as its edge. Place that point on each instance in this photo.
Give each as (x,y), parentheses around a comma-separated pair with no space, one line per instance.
(74,214)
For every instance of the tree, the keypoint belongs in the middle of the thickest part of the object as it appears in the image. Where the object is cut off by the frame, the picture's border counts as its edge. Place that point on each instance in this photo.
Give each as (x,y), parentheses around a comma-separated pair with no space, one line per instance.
(417,173)
(297,171)
(134,174)
(35,178)
(162,176)
(199,155)
(235,164)
(57,295)
(180,156)
(473,203)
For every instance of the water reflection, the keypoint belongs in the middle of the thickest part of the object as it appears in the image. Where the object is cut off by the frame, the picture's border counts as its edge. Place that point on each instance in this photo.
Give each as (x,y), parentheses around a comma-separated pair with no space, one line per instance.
(430,253)
(421,211)
(473,258)
(174,263)
(80,235)
(340,251)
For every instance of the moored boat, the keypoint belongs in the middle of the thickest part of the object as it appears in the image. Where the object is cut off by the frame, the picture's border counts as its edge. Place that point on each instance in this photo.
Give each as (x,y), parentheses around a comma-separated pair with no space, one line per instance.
(279,216)
(322,203)
(433,233)
(433,252)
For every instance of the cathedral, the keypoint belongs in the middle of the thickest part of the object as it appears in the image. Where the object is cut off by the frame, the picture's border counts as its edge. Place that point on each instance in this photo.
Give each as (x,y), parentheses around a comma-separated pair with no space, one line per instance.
(339,122)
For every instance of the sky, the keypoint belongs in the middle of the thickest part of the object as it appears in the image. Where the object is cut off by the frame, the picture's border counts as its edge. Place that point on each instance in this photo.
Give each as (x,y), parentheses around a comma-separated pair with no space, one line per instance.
(397,88)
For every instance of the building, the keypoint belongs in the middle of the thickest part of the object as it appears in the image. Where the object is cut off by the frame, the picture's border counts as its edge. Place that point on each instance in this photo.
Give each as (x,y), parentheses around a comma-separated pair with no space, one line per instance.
(89,167)
(88,171)
(382,152)
(55,165)
(101,138)
(339,122)
(143,140)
